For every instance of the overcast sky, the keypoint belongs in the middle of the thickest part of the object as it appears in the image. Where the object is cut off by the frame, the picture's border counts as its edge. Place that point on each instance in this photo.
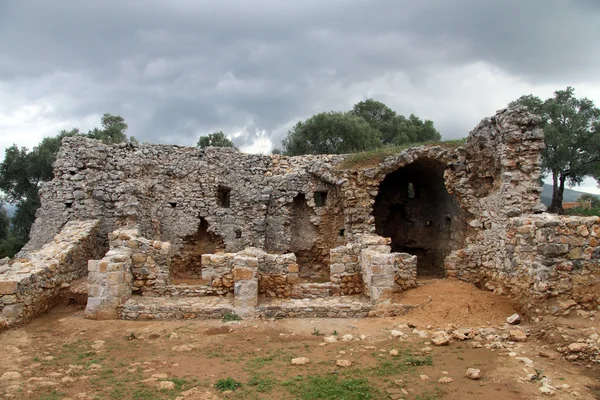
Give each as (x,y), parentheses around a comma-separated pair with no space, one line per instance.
(179,69)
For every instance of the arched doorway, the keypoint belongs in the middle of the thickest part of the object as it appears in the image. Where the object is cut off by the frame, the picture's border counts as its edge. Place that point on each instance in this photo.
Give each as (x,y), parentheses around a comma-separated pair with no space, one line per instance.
(415,210)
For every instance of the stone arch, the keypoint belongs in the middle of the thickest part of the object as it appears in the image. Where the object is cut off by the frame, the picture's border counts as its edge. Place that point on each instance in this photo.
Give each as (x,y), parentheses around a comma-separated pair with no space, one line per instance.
(414,209)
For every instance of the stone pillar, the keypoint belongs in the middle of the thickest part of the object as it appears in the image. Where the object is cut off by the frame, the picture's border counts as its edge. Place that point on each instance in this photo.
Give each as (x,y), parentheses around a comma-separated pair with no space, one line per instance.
(109,284)
(245,277)
(378,275)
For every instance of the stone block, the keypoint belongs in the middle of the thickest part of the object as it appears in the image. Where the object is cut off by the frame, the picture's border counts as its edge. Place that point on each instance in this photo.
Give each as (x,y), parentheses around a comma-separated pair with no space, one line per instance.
(246,289)
(92,265)
(115,278)
(293,268)
(381,294)
(292,279)
(243,273)
(336,269)
(138,258)
(95,290)
(382,280)
(8,287)
(13,310)
(245,261)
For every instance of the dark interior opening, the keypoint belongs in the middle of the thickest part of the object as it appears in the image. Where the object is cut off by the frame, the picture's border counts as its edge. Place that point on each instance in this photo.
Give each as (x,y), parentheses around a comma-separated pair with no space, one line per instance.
(224,196)
(320,199)
(415,210)
(68,204)
(187,262)
(173,204)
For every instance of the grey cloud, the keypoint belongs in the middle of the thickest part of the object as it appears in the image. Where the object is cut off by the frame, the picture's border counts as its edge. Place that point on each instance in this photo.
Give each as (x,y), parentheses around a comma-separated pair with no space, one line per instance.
(179,69)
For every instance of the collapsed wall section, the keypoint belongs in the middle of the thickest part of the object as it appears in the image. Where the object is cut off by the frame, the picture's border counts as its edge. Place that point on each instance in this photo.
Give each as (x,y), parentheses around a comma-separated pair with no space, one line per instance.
(31,285)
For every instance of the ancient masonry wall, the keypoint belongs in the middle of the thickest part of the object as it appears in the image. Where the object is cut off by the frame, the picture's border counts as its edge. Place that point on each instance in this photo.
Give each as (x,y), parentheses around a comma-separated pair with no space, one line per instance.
(550,259)
(31,286)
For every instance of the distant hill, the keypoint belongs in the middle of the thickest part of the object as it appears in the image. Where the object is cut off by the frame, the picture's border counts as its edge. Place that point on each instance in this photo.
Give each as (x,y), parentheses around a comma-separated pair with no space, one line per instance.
(568,195)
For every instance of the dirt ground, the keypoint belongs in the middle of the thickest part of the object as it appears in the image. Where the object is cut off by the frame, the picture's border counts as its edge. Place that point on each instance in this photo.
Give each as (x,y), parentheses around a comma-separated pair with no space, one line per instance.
(64,356)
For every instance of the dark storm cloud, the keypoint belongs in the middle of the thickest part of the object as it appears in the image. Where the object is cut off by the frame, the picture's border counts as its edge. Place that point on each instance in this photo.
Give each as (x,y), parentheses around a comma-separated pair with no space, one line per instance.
(179,69)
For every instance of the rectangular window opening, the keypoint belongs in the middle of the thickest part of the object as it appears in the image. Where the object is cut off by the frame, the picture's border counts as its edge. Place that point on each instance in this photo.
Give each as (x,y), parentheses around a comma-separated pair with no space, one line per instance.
(320,199)
(224,196)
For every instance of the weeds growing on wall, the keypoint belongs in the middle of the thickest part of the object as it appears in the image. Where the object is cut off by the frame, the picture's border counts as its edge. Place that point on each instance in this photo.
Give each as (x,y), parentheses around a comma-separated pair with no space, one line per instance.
(371,158)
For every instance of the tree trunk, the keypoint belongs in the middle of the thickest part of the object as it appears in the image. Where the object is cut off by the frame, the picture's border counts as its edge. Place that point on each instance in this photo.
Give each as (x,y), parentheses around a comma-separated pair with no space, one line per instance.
(558,188)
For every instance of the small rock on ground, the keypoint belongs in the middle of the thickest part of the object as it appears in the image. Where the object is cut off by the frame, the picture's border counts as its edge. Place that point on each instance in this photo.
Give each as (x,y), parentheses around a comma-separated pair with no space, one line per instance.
(343,363)
(514,319)
(473,373)
(300,361)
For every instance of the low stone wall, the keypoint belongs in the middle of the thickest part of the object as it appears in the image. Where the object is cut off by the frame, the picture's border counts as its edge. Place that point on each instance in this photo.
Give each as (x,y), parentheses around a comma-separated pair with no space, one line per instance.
(31,285)
(405,271)
(277,274)
(217,271)
(151,261)
(550,259)
(345,269)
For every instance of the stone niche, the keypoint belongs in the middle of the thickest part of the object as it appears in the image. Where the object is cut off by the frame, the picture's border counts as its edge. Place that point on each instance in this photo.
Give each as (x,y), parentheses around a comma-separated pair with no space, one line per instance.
(415,210)
(316,226)
(186,265)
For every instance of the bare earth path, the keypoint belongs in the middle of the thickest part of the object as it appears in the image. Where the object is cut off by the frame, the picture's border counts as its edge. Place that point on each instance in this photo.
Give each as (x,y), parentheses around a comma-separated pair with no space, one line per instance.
(62,355)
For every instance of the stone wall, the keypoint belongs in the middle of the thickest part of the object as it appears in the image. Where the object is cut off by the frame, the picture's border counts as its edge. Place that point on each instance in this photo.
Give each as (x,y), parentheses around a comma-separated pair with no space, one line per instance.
(30,286)
(550,260)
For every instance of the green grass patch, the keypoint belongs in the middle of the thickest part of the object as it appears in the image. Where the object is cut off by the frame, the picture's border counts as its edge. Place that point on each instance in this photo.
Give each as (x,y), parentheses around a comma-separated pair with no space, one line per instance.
(371,158)
(262,385)
(52,396)
(418,361)
(231,316)
(227,384)
(330,388)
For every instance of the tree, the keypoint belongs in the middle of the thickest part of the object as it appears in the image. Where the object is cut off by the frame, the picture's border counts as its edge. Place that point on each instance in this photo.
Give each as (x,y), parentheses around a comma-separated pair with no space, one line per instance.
(572,137)
(395,129)
(331,133)
(113,132)
(4,224)
(216,139)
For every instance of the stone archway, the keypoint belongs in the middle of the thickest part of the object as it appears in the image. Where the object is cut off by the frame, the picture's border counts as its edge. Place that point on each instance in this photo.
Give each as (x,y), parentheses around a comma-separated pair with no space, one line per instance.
(415,210)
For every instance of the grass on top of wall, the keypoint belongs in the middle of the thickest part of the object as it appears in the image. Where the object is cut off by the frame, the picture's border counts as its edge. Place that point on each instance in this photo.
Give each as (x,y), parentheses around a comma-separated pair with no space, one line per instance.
(371,158)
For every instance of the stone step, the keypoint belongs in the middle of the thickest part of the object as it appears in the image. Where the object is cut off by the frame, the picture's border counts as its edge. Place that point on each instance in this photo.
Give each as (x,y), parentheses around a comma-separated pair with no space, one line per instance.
(215,307)
(162,308)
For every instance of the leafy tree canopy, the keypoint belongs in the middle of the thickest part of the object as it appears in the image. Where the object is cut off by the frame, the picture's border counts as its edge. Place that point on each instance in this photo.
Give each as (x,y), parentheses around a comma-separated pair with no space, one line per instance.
(216,139)
(4,224)
(395,129)
(572,137)
(391,129)
(331,133)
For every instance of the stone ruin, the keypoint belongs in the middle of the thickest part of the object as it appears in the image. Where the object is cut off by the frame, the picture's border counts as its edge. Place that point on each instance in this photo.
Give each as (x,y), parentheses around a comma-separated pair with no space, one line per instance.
(176,232)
